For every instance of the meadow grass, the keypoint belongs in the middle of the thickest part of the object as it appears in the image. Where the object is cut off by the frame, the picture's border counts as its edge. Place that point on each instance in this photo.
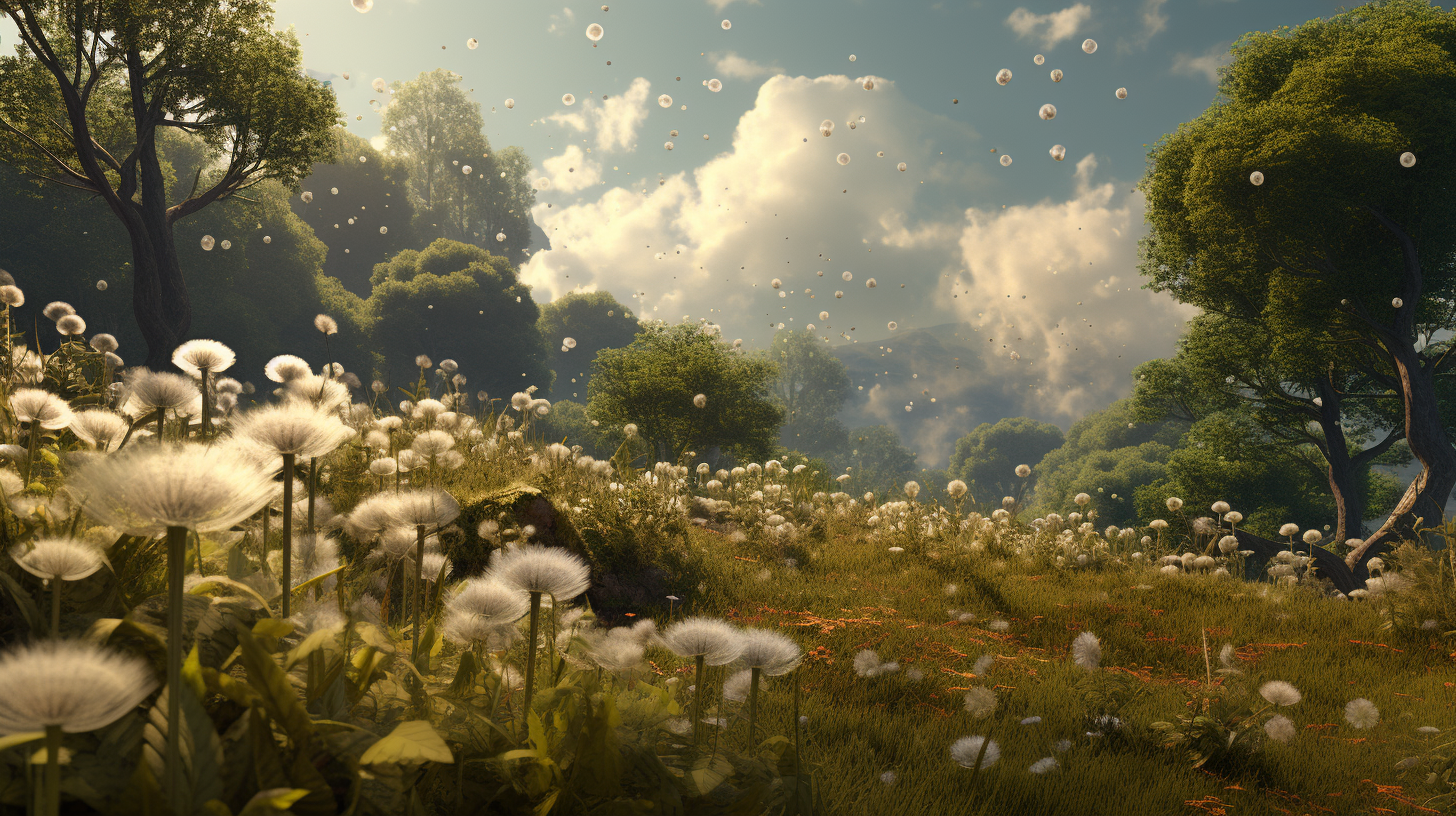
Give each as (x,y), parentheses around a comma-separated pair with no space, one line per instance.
(846,594)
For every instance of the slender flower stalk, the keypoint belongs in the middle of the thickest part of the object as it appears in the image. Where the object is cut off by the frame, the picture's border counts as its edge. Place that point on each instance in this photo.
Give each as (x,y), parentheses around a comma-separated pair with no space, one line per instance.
(709,642)
(540,571)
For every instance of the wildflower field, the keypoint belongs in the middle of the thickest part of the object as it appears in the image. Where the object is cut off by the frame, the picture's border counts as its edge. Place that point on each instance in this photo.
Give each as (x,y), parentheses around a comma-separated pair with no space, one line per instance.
(323,603)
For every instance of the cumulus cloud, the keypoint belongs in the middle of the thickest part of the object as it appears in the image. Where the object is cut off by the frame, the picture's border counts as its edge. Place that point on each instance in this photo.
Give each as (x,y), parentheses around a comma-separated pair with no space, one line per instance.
(560,21)
(1050,28)
(1154,20)
(1206,65)
(705,242)
(615,121)
(572,171)
(732,65)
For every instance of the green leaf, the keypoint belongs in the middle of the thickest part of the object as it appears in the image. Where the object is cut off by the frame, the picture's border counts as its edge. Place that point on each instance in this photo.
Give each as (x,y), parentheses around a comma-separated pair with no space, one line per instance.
(315,640)
(192,673)
(202,756)
(273,801)
(318,579)
(23,601)
(275,690)
(50,457)
(410,742)
(12,740)
(210,585)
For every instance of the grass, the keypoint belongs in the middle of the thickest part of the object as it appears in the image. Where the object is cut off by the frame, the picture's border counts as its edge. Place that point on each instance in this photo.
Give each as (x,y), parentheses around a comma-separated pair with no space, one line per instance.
(849,594)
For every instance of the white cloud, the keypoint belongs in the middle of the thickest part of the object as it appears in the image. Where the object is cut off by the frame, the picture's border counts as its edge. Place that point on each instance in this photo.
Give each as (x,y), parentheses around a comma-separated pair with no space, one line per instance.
(615,120)
(722,4)
(560,21)
(1206,65)
(732,65)
(1154,20)
(572,171)
(1051,28)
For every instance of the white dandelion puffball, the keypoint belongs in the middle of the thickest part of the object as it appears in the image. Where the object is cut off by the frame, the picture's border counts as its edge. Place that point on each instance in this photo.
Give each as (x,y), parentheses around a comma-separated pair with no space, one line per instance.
(1397,302)
(472,43)
(869,84)
(379,85)
(700,401)
(893,325)
(1082,499)
(594,32)
(842,158)
(1047,112)
(1175,504)
(1407,159)
(1280,728)
(384,230)
(727,25)
(1121,93)
(568,99)
(510,103)
(549,570)
(465,170)
(823,315)
(363,6)
(500,236)
(1280,693)
(900,167)
(1039,59)
(268,239)
(1005,160)
(776,283)
(58,558)
(1003,76)
(101,286)
(1312,537)
(847,275)
(226,244)
(207,243)
(1090,46)
(826,127)
(839,294)
(145,490)
(1256,178)
(966,750)
(715,85)
(1023,470)
(73,684)
(569,342)
(1057,75)
(772,653)
(1362,714)
(333,191)
(716,641)
(1087,651)
(307,197)
(664,101)
(1058,152)
(871,283)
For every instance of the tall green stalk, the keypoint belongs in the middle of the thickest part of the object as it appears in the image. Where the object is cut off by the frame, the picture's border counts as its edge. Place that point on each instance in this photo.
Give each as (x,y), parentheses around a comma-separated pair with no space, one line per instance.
(287,532)
(753,706)
(419,593)
(206,408)
(531,652)
(176,565)
(32,441)
(56,607)
(161,422)
(698,700)
(52,806)
(312,491)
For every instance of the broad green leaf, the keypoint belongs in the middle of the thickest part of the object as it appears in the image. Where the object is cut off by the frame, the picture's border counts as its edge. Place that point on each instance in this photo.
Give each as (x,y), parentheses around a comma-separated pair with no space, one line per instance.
(192,673)
(210,585)
(100,630)
(276,692)
(270,802)
(12,740)
(410,742)
(313,642)
(318,579)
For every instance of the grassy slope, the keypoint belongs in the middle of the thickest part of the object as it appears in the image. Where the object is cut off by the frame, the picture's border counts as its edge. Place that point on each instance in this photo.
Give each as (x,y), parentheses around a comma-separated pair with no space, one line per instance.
(849,595)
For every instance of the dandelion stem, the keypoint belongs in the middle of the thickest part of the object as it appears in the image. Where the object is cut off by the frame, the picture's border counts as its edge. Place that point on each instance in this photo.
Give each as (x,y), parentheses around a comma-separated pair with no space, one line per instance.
(798,746)
(176,563)
(312,490)
(52,771)
(287,532)
(32,440)
(56,607)
(698,701)
(419,595)
(161,422)
(206,409)
(531,653)
(753,706)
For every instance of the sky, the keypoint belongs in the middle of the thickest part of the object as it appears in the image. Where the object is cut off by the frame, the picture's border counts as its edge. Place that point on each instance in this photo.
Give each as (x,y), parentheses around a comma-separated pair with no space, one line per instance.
(1039,258)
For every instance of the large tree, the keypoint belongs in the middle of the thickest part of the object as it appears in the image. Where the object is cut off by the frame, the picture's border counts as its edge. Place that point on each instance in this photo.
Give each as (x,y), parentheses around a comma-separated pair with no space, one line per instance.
(592,321)
(1343,246)
(431,123)
(986,458)
(94,82)
(811,387)
(653,382)
(876,460)
(1332,421)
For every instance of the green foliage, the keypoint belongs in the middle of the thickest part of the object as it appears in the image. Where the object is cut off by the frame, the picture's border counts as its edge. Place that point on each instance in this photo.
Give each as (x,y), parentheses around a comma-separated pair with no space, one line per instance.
(457,301)
(595,321)
(876,460)
(811,386)
(1106,454)
(436,130)
(986,458)
(652,383)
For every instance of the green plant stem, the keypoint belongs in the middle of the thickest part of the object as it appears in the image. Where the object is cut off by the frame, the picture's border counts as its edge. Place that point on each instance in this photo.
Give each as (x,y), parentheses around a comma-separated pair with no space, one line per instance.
(176,564)
(56,607)
(32,441)
(206,409)
(287,532)
(798,748)
(312,491)
(531,653)
(753,706)
(698,700)
(263,542)
(161,422)
(52,771)
(419,594)
(198,538)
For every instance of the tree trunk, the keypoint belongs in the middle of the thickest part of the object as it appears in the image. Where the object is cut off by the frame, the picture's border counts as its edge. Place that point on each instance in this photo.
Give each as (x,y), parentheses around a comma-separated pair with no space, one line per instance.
(1349,499)
(1427,494)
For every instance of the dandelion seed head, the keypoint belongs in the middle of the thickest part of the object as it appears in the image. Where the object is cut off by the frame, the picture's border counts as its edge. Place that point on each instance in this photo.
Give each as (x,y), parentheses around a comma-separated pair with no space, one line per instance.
(1361,713)
(966,750)
(1280,728)
(1087,651)
(73,684)
(773,653)
(549,570)
(979,702)
(717,641)
(145,490)
(195,355)
(1280,693)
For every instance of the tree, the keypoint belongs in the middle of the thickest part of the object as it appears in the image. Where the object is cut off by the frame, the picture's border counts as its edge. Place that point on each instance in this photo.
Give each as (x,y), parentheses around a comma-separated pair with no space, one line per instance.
(876,460)
(986,458)
(432,125)
(94,83)
(373,194)
(811,387)
(457,301)
(1326,422)
(594,321)
(1107,455)
(1343,248)
(652,383)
